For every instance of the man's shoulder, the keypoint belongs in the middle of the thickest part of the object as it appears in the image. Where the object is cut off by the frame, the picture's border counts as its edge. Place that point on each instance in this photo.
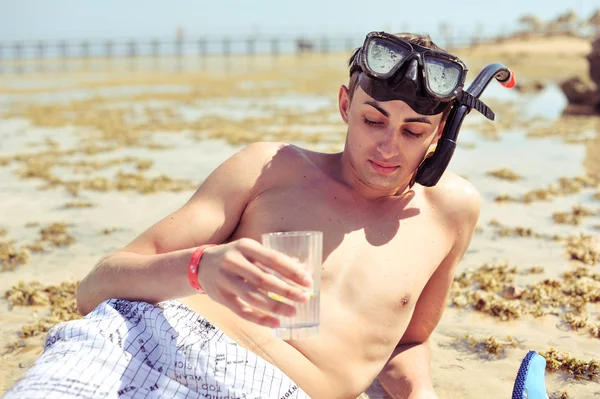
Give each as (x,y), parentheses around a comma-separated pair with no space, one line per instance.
(457,198)
(266,164)
(261,151)
(255,158)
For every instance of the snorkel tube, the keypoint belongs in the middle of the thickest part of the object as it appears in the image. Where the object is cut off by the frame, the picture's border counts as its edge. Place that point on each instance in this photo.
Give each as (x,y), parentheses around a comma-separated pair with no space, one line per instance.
(431,169)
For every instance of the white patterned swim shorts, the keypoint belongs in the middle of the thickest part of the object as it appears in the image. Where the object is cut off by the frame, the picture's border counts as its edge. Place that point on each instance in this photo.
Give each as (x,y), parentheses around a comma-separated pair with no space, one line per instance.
(126,349)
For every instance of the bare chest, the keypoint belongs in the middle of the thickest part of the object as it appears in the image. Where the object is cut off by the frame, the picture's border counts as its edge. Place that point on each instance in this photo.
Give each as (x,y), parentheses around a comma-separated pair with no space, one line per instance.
(379,254)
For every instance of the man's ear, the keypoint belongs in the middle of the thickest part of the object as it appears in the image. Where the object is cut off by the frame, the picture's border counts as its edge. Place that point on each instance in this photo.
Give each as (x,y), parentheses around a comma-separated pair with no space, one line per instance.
(344,102)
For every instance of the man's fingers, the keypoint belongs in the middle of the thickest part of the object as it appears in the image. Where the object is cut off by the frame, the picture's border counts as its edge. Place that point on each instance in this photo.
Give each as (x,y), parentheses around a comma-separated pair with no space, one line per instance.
(255,298)
(242,309)
(266,281)
(276,261)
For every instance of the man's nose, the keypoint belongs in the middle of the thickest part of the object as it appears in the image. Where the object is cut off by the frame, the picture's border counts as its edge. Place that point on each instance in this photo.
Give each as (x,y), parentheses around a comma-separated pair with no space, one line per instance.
(388,145)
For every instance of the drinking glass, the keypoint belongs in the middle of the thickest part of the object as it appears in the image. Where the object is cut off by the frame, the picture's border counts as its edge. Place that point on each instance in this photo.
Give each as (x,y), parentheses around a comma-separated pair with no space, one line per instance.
(305,248)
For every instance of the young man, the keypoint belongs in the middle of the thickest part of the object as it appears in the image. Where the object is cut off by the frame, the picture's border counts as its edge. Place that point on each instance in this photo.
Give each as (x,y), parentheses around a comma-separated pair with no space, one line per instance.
(390,251)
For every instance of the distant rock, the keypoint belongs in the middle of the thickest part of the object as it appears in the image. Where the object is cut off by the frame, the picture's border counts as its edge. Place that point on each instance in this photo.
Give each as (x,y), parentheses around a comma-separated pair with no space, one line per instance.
(594,59)
(578,91)
(584,96)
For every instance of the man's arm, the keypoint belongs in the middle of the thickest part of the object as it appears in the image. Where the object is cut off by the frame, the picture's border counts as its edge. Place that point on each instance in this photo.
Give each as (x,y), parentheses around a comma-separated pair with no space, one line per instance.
(407,372)
(153,267)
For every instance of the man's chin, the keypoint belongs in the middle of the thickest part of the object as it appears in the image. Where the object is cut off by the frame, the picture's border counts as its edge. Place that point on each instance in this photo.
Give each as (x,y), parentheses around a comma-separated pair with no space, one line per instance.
(380,182)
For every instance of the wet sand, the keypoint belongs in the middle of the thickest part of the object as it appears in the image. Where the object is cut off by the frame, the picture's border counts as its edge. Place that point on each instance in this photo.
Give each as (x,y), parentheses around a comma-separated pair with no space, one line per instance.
(98,143)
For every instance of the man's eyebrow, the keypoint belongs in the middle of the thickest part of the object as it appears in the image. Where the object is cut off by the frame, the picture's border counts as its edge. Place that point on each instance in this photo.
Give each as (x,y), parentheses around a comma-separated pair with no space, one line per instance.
(420,119)
(376,105)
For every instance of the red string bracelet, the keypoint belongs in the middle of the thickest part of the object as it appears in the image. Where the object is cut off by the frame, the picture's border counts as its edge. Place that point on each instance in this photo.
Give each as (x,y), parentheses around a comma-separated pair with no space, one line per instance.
(193,267)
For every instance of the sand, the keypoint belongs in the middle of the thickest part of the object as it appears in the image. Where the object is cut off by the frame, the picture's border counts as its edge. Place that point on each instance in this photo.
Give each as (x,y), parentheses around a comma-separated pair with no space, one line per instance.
(99,141)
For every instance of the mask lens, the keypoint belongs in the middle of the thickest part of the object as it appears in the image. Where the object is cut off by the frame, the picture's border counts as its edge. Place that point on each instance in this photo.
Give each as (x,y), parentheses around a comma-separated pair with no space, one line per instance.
(443,75)
(383,55)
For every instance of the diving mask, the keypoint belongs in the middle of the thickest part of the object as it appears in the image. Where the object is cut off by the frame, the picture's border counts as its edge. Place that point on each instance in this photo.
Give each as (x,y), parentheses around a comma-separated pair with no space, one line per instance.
(394,68)
(426,79)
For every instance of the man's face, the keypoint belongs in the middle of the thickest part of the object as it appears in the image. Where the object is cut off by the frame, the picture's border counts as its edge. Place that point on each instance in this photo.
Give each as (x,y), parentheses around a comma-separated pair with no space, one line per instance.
(386,141)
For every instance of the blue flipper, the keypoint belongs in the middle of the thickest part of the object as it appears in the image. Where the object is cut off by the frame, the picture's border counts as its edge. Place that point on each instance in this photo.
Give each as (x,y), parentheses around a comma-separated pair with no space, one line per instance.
(530,382)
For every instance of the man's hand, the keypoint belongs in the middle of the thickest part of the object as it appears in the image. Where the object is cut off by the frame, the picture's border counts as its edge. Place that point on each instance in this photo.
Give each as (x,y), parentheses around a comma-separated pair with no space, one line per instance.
(239,275)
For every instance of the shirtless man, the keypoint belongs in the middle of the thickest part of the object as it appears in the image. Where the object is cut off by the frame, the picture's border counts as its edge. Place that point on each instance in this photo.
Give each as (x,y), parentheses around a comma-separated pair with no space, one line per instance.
(390,247)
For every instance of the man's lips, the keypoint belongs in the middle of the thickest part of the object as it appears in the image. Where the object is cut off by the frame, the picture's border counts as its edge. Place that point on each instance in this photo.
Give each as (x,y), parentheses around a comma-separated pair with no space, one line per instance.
(383,168)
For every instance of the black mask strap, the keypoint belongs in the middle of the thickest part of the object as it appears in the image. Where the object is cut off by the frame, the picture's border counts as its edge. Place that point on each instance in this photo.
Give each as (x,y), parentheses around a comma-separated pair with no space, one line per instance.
(464,97)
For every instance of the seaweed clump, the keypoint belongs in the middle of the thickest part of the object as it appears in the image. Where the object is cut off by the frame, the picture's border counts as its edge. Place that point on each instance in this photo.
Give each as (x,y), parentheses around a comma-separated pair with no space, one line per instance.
(491,289)
(582,248)
(11,256)
(576,368)
(505,174)
(491,344)
(61,298)
(578,212)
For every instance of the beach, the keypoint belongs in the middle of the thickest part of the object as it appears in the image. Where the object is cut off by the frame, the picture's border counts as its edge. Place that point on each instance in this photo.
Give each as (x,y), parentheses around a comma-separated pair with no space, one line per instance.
(91,158)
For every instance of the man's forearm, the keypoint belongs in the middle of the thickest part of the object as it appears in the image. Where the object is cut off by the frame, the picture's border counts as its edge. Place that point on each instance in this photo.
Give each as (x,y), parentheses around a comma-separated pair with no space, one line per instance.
(131,276)
(408,371)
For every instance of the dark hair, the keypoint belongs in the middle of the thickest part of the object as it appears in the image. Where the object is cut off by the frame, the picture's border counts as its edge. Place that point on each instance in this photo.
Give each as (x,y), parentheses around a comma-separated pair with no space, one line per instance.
(414,38)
